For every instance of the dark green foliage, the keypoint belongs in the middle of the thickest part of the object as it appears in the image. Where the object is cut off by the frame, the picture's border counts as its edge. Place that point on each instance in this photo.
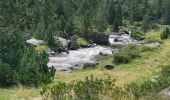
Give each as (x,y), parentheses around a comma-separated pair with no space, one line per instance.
(165,33)
(70,27)
(6,75)
(20,64)
(146,23)
(136,34)
(33,68)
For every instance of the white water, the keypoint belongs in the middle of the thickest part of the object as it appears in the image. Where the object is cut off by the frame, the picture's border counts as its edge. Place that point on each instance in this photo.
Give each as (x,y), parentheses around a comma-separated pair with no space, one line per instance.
(75,58)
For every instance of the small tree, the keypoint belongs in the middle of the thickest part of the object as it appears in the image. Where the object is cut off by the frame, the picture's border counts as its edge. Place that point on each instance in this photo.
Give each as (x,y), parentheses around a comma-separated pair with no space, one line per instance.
(33,68)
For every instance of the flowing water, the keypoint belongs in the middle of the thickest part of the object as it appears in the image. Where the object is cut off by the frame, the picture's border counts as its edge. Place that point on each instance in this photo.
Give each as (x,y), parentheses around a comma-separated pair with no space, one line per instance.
(75,58)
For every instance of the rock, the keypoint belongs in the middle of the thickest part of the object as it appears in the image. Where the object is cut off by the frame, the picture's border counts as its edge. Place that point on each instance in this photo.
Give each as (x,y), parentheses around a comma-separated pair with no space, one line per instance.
(63,41)
(153,45)
(63,50)
(106,52)
(101,38)
(35,42)
(109,66)
(73,45)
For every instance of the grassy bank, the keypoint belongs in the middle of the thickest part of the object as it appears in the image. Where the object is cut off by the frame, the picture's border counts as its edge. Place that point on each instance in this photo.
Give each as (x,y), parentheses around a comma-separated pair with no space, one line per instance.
(138,70)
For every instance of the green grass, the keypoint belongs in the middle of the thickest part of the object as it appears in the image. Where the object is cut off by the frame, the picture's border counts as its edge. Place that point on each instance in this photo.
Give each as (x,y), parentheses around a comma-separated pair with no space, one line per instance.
(138,70)
(20,93)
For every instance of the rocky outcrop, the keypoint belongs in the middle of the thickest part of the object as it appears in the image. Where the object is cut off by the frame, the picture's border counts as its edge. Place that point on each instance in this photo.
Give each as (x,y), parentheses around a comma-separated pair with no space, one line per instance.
(101,38)
(35,42)
(73,45)
(63,41)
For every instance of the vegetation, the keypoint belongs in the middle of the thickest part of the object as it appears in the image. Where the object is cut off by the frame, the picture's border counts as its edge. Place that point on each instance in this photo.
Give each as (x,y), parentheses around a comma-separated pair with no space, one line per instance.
(99,89)
(126,54)
(165,33)
(25,65)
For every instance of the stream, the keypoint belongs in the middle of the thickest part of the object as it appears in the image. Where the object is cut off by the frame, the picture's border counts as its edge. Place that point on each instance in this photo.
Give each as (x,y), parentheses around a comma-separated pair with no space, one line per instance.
(77,58)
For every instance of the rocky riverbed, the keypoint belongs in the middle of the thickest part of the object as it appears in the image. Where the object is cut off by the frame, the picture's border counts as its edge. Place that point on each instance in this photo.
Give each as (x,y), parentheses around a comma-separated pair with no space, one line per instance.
(76,58)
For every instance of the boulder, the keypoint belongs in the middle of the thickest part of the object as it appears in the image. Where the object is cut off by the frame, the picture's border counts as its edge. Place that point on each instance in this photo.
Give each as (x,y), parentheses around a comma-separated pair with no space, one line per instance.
(109,66)
(35,42)
(63,41)
(106,52)
(101,38)
(73,45)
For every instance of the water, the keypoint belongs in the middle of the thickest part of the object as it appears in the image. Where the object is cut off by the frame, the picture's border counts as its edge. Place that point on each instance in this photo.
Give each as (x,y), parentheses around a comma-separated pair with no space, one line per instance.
(75,59)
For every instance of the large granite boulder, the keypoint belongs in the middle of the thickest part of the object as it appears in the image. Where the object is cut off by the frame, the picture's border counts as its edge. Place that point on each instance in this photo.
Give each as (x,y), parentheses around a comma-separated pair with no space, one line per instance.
(63,41)
(73,45)
(35,42)
(101,38)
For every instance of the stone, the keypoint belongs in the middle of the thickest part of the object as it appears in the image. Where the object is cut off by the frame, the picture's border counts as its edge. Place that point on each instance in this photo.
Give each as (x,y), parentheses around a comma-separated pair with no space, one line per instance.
(63,41)
(109,66)
(73,45)
(106,52)
(35,42)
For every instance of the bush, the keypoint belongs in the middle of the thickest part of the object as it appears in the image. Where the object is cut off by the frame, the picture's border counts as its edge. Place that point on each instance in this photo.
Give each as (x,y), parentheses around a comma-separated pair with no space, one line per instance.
(89,89)
(138,35)
(121,58)
(126,54)
(165,33)
(33,68)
